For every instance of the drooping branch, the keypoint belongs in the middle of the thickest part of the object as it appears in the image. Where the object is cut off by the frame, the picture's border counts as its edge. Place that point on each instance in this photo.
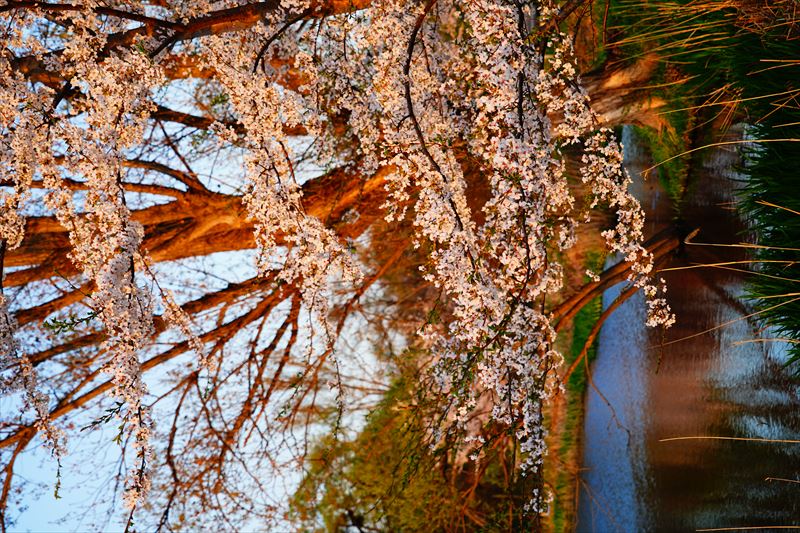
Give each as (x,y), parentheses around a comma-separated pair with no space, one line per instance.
(659,245)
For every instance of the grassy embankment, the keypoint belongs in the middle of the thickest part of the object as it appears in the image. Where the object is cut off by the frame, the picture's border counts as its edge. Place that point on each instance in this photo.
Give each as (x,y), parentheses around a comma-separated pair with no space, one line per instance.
(565,440)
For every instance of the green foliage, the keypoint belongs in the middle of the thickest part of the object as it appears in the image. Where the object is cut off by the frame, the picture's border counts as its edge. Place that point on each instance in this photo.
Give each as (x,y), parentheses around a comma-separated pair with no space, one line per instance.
(664,146)
(67,325)
(57,487)
(383,478)
(387,479)
(110,414)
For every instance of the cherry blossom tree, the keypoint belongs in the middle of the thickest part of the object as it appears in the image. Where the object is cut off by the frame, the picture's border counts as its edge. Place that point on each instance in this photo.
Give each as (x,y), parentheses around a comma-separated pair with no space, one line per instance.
(200,199)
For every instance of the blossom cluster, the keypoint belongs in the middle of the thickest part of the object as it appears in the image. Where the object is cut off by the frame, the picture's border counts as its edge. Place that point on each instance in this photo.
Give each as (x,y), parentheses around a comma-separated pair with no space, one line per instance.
(88,139)
(309,253)
(435,84)
(23,376)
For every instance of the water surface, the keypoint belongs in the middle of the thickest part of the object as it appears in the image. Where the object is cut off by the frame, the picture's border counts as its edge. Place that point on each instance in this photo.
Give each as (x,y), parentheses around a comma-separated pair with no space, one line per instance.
(726,382)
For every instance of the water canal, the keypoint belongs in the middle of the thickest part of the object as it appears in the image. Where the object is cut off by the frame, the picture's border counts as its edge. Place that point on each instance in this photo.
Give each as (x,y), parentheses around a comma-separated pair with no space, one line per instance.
(728,382)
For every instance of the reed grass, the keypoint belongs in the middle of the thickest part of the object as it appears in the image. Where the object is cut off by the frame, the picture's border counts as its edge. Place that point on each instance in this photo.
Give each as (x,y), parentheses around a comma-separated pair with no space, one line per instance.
(741,62)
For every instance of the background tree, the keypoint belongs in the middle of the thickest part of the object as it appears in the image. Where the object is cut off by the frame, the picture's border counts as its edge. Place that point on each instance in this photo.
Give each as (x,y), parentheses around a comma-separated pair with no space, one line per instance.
(200,200)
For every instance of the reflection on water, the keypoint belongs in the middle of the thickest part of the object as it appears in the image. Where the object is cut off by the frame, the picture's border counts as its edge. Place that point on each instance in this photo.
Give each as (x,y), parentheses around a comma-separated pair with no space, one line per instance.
(721,383)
